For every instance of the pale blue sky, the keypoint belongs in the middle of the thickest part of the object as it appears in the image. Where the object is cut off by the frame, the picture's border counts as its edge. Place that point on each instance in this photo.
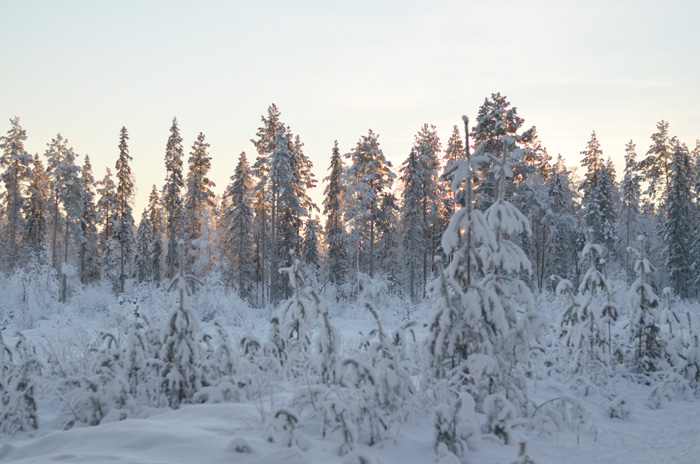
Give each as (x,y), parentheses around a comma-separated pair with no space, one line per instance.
(336,69)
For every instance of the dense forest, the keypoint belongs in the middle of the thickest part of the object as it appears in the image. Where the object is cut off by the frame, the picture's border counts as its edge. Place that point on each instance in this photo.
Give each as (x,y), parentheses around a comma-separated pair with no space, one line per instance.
(376,221)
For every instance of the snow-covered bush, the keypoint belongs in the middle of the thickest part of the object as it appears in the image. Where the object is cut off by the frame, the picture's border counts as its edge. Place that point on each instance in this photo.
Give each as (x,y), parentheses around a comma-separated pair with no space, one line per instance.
(285,431)
(564,412)
(455,426)
(621,407)
(501,416)
(18,409)
(88,399)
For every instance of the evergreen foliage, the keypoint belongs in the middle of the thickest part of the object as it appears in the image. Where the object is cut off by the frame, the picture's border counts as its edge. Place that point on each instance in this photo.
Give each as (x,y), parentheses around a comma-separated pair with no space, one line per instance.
(172,196)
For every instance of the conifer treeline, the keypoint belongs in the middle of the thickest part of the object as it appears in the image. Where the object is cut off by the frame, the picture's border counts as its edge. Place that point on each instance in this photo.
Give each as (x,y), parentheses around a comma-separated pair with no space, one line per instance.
(55,214)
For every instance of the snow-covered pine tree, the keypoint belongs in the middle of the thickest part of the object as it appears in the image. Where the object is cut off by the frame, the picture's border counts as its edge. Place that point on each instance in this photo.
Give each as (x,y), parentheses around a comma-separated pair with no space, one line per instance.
(35,211)
(427,146)
(413,227)
(312,230)
(281,199)
(71,196)
(238,225)
(266,134)
(368,177)
(181,374)
(477,339)
(124,227)
(695,242)
(388,248)
(678,227)
(561,223)
(644,313)
(453,152)
(15,164)
(496,119)
(155,216)
(55,155)
(106,214)
(657,163)
(333,211)
(630,190)
(172,200)
(598,202)
(144,240)
(88,268)
(199,198)
(583,323)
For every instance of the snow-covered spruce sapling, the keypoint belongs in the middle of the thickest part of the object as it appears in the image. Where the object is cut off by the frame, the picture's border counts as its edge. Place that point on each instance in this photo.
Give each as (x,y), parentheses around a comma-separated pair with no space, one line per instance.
(644,314)
(296,315)
(480,293)
(18,408)
(219,365)
(181,375)
(582,324)
(89,399)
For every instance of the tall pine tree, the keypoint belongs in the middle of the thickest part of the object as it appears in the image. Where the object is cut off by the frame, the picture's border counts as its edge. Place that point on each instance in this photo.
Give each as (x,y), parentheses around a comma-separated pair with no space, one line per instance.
(199,199)
(369,176)
(124,228)
(172,197)
(15,164)
(333,210)
(238,225)
(678,228)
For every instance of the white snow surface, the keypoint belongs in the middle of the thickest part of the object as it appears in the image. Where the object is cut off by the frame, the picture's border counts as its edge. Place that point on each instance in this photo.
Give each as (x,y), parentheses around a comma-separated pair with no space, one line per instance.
(203,433)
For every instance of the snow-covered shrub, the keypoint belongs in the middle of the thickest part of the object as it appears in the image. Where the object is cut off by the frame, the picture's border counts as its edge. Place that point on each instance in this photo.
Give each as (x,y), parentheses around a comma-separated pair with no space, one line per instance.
(670,386)
(29,295)
(337,421)
(363,402)
(284,430)
(564,412)
(387,357)
(501,416)
(327,344)
(88,399)
(691,367)
(621,408)
(18,410)
(455,427)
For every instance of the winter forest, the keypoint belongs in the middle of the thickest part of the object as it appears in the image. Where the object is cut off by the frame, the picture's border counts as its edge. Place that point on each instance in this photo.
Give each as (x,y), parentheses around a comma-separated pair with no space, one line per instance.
(482,302)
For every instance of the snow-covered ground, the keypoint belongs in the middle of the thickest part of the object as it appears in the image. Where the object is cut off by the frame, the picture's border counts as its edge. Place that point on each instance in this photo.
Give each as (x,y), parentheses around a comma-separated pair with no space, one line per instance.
(242,431)
(211,434)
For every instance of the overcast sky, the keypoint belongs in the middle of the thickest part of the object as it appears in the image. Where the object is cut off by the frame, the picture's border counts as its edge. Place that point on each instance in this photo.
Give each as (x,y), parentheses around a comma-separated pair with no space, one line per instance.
(336,69)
